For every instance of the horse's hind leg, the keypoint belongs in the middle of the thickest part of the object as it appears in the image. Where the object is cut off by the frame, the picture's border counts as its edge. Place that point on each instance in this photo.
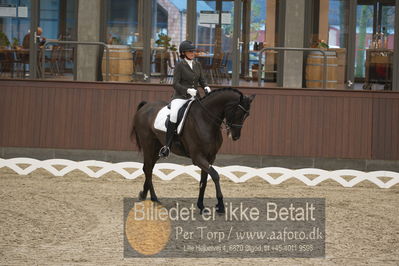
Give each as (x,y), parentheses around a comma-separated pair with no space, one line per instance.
(150,158)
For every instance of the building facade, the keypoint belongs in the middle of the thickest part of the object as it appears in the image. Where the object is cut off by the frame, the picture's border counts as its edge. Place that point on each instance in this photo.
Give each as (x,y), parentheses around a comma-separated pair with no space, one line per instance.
(142,36)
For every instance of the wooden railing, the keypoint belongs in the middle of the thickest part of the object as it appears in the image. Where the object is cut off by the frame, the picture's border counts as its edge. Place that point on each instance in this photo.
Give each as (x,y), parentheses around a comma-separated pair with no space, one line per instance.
(283,122)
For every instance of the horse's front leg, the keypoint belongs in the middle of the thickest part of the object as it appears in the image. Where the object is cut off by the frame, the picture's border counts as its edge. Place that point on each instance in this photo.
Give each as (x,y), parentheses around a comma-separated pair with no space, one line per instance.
(203,182)
(219,195)
(207,168)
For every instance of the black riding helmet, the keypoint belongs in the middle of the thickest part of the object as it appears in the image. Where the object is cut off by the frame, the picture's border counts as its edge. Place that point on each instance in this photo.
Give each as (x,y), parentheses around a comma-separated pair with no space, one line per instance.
(186,46)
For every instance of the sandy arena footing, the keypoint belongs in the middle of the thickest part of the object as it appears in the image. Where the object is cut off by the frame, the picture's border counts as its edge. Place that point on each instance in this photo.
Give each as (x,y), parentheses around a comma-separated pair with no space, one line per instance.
(76,219)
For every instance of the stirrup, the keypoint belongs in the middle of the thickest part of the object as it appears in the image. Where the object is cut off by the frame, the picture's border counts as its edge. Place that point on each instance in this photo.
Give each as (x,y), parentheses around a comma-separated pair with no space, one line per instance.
(164,152)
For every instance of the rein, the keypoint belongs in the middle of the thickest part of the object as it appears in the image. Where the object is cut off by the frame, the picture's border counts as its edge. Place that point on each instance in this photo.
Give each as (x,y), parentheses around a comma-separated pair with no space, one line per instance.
(218,120)
(221,121)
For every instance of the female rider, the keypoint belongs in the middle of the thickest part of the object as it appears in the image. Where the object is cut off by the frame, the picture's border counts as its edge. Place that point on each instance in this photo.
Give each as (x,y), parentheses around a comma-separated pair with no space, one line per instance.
(187,76)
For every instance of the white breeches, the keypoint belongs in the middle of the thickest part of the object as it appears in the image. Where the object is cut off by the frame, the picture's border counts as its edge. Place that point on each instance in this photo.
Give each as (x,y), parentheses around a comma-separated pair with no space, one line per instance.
(174,108)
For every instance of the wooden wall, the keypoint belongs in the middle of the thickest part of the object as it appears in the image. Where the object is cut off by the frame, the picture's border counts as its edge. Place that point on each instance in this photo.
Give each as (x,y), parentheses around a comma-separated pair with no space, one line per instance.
(283,122)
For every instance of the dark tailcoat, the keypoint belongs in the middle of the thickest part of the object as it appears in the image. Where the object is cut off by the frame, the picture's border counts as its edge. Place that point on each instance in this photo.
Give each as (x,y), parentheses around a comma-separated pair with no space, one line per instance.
(184,78)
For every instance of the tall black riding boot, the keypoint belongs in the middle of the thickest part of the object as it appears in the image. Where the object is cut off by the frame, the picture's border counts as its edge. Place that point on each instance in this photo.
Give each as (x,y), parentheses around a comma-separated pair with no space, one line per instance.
(170,132)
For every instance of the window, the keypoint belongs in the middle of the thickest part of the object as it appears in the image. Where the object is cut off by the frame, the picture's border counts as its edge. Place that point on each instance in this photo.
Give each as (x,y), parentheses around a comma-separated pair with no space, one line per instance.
(337,20)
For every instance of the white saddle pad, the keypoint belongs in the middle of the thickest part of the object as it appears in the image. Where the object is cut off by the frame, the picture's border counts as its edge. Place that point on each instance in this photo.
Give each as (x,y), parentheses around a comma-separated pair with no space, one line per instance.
(162,115)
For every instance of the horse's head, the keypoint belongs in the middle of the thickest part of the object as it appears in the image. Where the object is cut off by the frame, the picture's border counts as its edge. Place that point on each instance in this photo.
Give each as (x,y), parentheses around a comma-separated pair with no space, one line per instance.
(236,115)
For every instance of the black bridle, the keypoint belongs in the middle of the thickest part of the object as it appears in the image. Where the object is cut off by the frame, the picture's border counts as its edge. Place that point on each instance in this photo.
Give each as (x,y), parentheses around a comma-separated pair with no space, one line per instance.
(246,114)
(227,124)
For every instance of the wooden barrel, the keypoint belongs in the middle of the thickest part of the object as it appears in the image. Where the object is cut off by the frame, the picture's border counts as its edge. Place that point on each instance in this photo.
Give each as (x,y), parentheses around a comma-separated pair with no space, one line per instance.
(314,70)
(341,68)
(120,63)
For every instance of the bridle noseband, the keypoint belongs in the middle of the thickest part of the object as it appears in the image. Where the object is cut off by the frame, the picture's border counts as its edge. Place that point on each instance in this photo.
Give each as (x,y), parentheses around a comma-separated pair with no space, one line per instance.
(232,125)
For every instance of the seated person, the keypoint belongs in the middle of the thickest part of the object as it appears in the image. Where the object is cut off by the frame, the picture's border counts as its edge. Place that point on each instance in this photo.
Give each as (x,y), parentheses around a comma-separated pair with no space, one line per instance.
(40,40)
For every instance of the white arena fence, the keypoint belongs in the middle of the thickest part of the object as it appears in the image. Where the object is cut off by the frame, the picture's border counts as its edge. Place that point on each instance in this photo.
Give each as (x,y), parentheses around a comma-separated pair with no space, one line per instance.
(174,170)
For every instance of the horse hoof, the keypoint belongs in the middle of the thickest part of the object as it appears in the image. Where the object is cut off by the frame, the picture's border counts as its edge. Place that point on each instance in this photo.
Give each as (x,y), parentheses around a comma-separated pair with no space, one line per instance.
(220,210)
(156,200)
(205,211)
(141,195)
(164,152)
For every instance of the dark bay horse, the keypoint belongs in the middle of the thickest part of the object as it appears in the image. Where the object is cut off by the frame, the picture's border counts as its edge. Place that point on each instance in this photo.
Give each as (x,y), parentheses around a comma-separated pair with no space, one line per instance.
(200,139)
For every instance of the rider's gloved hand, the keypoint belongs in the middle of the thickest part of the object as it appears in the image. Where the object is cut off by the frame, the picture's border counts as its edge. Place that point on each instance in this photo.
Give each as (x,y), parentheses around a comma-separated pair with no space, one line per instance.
(207,90)
(192,92)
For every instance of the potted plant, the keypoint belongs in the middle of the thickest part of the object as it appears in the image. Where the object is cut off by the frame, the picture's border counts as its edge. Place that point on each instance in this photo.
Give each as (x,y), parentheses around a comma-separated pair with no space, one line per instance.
(320,44)
(4,42)
(15,43)
(163,41)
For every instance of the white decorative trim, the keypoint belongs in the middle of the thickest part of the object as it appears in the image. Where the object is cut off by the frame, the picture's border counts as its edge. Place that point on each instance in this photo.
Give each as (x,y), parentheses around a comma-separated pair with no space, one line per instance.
(228,171)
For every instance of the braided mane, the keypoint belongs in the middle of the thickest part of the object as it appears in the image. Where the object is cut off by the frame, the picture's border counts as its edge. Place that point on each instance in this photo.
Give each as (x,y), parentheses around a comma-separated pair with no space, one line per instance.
(217,91)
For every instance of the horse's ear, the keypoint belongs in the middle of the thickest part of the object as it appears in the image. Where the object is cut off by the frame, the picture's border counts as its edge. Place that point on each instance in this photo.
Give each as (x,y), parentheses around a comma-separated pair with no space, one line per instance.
(251,97)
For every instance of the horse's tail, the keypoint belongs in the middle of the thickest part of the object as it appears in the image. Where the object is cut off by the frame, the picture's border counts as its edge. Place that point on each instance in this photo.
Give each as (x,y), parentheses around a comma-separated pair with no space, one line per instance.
(133,134)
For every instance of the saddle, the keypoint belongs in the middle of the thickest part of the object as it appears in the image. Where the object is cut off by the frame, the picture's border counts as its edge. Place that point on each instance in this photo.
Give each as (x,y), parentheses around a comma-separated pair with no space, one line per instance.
(162,118)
